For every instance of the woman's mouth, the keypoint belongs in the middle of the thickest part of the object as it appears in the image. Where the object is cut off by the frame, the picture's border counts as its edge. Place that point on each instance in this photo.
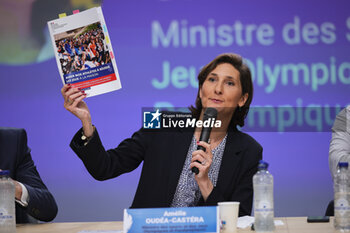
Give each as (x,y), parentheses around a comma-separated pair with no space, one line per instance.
(217,101)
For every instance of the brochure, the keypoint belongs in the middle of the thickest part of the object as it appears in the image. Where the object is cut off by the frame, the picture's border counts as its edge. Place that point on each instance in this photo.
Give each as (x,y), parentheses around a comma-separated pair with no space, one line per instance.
(84,52)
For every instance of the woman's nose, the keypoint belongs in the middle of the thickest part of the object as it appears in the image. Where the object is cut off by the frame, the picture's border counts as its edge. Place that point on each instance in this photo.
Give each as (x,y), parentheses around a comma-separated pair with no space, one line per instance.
(218,88)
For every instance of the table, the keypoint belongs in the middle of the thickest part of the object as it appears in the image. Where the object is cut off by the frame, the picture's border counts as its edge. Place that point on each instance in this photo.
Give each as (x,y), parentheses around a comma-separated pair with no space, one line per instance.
(300,225)
(68,227)
(291,225)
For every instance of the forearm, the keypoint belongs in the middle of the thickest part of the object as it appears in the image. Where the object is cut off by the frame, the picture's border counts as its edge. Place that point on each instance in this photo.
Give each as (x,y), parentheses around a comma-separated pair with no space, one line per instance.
(103,164)
(87,126)
(18,190)
(41,205)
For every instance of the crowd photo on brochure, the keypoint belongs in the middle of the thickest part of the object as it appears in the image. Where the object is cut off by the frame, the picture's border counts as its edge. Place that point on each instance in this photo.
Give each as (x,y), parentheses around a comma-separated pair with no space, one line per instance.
(82,48)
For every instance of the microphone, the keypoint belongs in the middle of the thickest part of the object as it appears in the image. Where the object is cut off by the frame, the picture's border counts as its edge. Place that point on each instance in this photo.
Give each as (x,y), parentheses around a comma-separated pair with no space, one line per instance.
(205,134)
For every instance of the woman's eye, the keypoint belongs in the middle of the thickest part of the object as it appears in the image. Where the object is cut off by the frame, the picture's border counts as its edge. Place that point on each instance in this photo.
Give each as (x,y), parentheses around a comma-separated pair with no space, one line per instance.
(211,79)
(230,83)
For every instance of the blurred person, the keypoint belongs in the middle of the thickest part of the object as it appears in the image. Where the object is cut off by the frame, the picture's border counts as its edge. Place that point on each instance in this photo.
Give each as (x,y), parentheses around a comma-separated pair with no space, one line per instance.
(339,149)
(33,199)
(92,47)
(77,64)
(107,58)
(89,64)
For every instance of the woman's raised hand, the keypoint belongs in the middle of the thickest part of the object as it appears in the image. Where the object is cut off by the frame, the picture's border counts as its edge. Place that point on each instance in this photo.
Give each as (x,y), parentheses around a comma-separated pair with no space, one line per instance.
(74,103)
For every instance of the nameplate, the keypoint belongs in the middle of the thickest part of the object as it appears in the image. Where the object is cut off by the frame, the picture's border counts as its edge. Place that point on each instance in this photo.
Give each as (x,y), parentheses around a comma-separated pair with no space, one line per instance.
(187,219)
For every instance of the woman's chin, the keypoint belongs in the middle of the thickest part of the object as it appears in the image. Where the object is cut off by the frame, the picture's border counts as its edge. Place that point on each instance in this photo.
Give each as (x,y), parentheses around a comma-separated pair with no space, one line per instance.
(220,108)
(213,105)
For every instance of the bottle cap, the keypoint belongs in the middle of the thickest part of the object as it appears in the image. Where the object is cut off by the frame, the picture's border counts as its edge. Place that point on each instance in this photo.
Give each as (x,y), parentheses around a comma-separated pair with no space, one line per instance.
(4,173)
(263,165)
(343,164)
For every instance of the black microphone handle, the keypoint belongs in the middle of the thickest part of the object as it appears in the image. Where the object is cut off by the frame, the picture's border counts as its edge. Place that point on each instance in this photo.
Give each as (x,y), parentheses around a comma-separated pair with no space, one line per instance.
(210,113)
(205,134)
(195,170)
(200,148)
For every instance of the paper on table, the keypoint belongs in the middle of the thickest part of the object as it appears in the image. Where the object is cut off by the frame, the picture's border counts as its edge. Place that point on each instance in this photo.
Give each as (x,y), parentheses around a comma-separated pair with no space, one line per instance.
(247,221)
(278,223)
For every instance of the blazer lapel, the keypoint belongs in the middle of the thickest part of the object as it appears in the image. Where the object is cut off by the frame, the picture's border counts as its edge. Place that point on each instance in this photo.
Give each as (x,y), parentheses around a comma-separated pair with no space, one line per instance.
(182,138)
(230,160)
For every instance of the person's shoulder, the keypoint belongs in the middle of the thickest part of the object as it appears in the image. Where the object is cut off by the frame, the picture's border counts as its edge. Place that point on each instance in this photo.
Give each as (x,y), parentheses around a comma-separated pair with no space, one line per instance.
(248,141)
(339,124)
(12,131)
(343,111)
(13,135)
(347,109)
(247,146)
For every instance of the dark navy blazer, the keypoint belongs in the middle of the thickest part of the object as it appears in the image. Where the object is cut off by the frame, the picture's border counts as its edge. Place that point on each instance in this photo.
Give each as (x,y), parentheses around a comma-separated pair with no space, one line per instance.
(163,153)
(15,156)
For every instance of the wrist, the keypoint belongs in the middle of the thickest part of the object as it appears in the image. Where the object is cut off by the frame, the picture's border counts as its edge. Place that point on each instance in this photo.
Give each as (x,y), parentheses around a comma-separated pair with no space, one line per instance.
(206,187)
(84,138)
(18,191)
(88,128)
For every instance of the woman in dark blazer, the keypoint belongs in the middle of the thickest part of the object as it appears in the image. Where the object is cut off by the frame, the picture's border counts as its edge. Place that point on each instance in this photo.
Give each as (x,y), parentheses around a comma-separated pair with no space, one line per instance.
(226,167)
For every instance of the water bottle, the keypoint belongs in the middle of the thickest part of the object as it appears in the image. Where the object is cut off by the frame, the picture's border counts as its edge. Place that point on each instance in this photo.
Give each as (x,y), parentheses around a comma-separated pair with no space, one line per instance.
(263,199)
(7,203)
(342,198)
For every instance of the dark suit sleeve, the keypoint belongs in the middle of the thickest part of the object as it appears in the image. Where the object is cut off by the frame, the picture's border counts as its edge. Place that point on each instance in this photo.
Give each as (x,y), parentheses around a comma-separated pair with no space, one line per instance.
(243,191)
(102,164)
(41,205)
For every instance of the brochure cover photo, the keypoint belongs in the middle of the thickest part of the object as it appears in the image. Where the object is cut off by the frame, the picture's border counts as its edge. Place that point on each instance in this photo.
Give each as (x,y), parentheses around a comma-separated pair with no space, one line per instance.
(84,52)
